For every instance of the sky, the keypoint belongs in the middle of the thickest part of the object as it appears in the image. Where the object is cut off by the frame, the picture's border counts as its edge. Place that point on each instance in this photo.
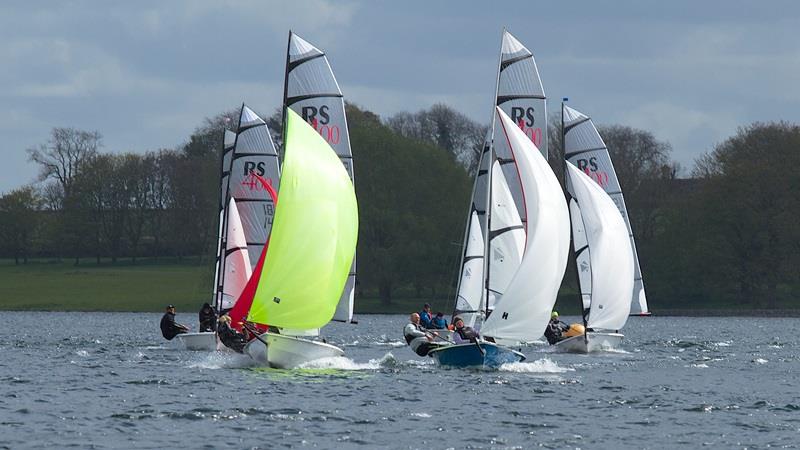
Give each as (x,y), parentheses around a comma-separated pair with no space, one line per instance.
(145,74)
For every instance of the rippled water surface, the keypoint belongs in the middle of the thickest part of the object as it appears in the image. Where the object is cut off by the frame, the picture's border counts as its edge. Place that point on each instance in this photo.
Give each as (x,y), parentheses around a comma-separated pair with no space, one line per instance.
(106,380)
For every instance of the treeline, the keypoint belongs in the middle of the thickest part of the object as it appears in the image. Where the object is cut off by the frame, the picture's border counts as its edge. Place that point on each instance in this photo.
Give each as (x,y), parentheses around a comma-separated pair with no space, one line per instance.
(727,236)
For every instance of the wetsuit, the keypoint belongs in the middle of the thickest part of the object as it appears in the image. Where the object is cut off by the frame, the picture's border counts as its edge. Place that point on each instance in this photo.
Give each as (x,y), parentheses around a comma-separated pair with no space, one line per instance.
(465,334)
(553,331)
(231,338)
(208,318)
(170,329)
(418,339)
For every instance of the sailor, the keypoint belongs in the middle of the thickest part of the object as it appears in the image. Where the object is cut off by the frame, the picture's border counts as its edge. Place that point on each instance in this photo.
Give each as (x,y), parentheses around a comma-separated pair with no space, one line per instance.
(208,318)
(555,328)
(425,316)
(439,322)
(418,338)
(170,328)
(464,334)
(230,337)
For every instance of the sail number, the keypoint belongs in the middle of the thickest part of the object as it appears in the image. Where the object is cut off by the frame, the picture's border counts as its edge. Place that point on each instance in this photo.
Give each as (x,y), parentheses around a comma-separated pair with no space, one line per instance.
(534,134)
(252,183)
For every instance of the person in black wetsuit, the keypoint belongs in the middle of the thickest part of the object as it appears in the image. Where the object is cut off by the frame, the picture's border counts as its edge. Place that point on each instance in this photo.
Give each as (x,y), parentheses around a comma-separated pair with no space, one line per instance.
(208,318)
(229,336)
(170,328)
(463,334)
(418,338)
(555,329)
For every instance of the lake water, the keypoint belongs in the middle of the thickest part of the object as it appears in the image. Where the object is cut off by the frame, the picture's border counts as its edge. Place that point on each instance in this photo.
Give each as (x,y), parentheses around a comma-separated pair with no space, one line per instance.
(108,380)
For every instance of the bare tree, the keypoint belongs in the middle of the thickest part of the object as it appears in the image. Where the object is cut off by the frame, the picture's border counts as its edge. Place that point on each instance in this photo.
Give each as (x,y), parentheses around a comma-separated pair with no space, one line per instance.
(63,155)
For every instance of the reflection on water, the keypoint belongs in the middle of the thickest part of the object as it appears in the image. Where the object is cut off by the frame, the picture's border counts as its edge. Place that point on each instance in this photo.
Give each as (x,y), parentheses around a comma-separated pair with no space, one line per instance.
(109,380)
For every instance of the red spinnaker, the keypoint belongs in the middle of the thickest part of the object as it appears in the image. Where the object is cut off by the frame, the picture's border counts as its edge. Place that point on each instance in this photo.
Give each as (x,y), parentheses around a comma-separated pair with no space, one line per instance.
(242,306)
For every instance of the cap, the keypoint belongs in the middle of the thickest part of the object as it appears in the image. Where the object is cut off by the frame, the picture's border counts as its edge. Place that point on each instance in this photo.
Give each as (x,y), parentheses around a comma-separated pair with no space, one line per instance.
(170,306)
(554,314)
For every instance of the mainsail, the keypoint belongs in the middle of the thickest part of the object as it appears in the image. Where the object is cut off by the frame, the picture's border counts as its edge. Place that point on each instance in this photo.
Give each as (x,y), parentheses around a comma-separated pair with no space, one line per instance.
(253,154)
(523,311)
(228,143)
(584,148)
(312,92)
(468,302)
(313,238)
(603,251)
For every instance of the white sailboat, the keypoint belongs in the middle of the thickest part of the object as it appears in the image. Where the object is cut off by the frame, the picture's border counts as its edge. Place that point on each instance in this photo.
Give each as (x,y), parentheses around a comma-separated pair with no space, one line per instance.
(207,341)
(237,272)
(584,148)
(604,261)
(523,308)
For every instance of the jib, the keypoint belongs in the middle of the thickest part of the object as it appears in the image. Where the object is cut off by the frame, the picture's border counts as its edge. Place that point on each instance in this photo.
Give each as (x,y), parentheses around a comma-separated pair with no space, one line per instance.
(310,113)
(250,167)
(591,163)
(519,113)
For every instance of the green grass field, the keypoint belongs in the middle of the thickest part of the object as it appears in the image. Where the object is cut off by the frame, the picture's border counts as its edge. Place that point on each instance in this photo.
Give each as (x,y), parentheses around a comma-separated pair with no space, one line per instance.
(90,287)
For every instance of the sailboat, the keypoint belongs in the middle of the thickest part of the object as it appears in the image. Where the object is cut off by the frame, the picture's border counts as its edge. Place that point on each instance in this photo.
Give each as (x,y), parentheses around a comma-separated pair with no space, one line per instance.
(311,90)
(604,261)
(584,148)
(207,341)
(246,210)
(312,245)
(524,307)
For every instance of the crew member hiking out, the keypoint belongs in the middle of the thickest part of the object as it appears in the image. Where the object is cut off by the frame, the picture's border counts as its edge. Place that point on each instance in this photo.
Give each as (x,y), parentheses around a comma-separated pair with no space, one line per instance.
(170,328)
(419,339)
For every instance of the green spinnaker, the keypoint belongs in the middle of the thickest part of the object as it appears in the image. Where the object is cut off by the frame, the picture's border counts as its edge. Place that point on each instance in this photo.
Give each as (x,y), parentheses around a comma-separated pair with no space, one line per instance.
(313,236)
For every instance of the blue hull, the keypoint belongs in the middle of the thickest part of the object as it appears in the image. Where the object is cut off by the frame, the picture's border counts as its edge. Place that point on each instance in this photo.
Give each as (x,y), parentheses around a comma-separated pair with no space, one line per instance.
(469,355)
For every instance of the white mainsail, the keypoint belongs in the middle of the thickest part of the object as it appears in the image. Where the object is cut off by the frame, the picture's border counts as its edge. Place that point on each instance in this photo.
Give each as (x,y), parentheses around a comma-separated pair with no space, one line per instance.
(584,148)
(523,311)
(237,260)
(506,237)
(228,143)
(470,290)
(312,92)
(606,243)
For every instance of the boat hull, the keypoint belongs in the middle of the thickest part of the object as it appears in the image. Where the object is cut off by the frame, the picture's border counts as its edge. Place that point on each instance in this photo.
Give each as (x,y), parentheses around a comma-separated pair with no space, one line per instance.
(256,350)
(594,342)
(206,341)
(288,352)
(469,355)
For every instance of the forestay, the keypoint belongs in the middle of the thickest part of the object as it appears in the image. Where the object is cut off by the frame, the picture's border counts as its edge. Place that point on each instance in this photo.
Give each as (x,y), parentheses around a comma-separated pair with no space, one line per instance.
(313,239)
(608,247)
(584,148)
(524,310)
(312,92)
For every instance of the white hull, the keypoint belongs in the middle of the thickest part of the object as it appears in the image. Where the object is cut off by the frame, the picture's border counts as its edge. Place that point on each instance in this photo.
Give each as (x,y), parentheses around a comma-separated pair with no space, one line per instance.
(288,352)
(206,341)
(593,342)
(256,350)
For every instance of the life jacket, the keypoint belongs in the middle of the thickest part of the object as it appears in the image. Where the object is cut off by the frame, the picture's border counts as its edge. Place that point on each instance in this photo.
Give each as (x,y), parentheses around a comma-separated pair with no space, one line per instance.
(409,337)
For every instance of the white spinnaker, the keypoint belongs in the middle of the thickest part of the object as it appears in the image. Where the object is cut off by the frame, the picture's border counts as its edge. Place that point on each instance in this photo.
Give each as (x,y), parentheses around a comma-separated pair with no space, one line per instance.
(313,93)
(237,260)
(506,237)
(584,148)
(254,154)
(611,256)
(524,310)
(229,141)
(470,289)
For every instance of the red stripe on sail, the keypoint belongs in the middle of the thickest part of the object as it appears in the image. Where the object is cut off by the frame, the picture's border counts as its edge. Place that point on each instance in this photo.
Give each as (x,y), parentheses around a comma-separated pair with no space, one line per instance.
(245,300)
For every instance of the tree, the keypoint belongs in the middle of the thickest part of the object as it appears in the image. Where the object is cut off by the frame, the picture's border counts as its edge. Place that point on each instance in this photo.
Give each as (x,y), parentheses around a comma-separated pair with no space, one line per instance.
(18,221)
(748,213)
(64,155)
